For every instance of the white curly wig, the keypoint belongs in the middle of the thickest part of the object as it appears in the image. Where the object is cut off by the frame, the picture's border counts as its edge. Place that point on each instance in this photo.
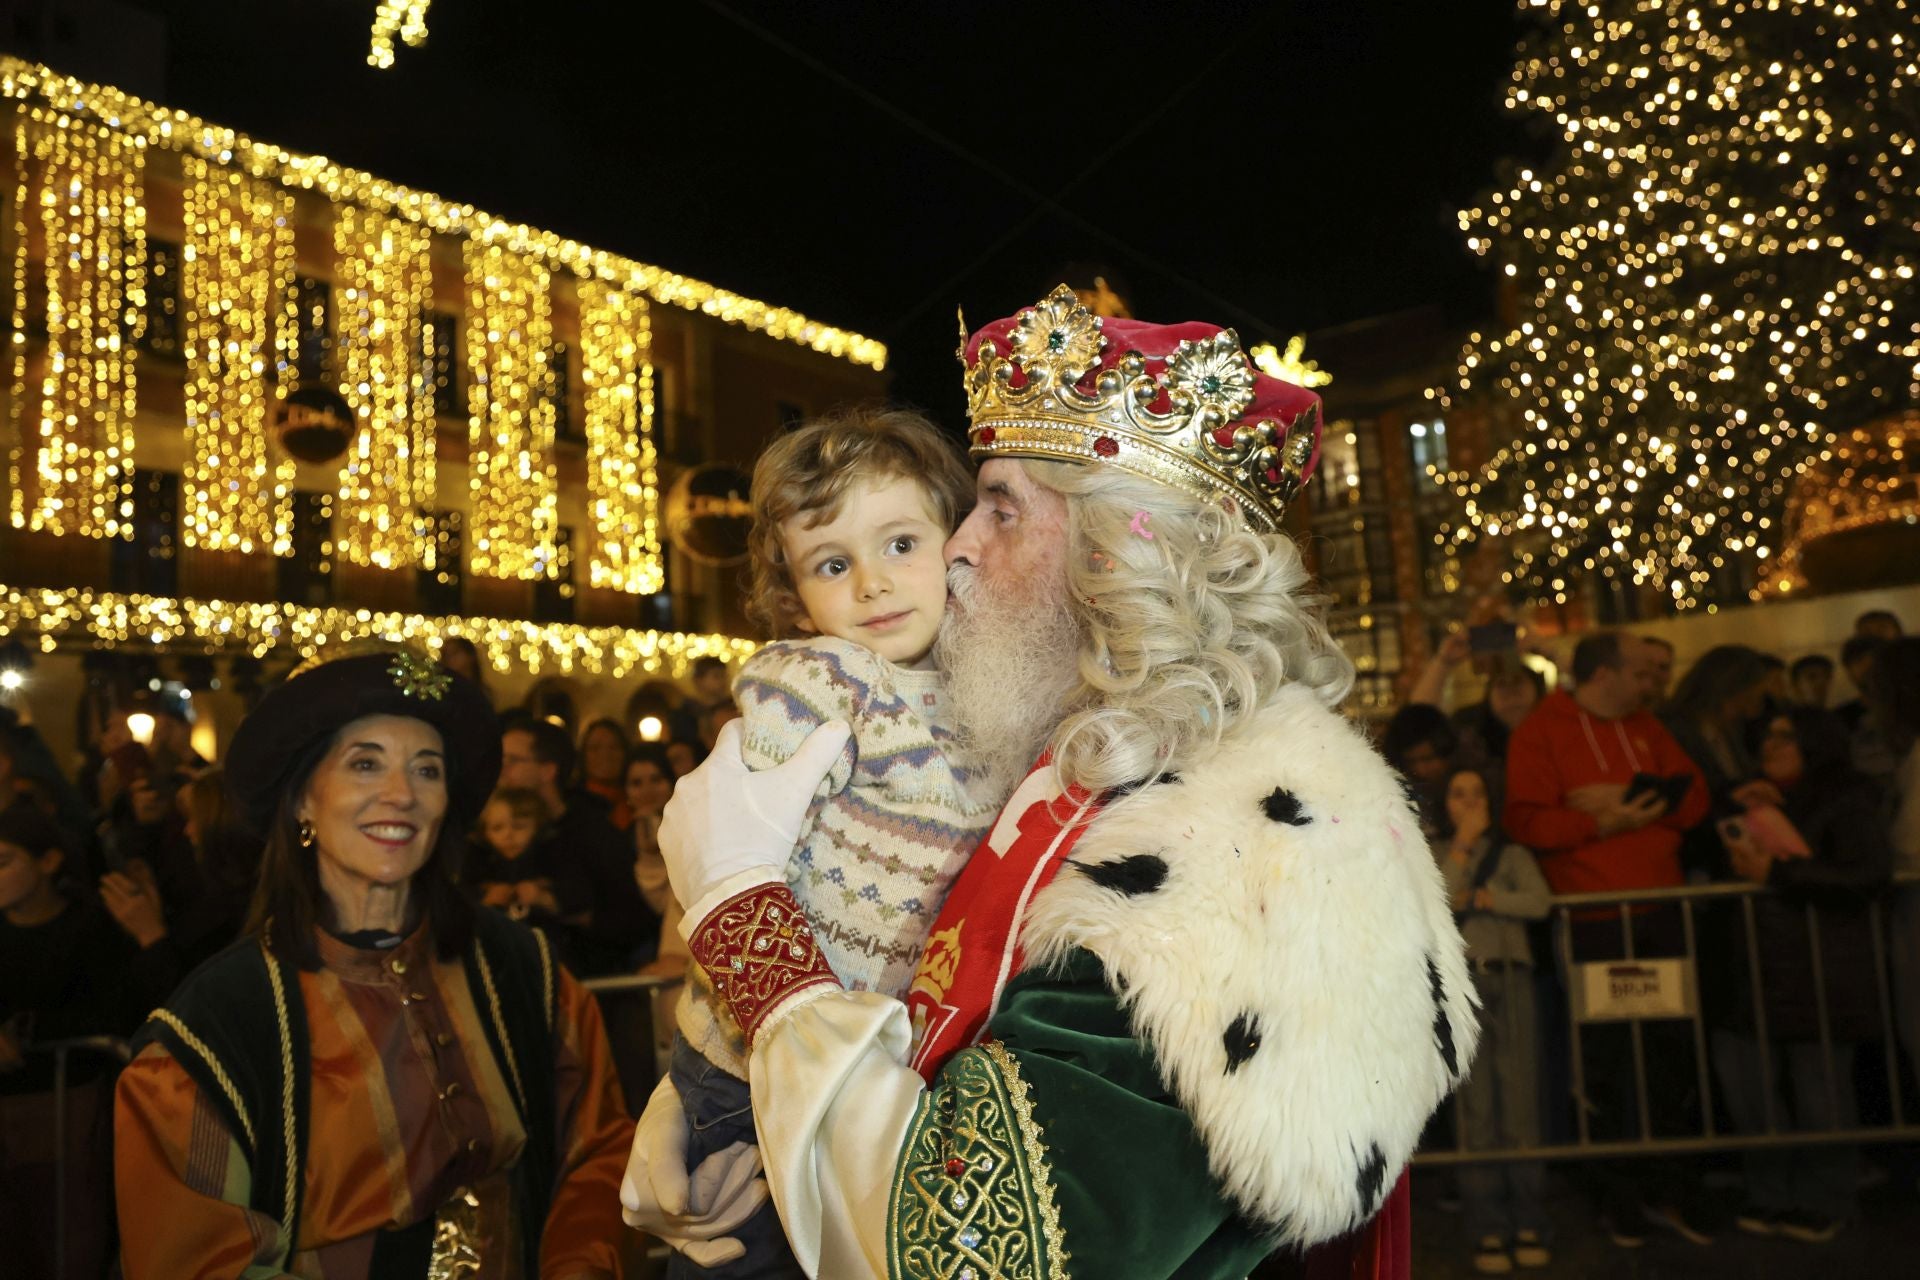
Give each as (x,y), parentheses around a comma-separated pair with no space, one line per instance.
(1188,632)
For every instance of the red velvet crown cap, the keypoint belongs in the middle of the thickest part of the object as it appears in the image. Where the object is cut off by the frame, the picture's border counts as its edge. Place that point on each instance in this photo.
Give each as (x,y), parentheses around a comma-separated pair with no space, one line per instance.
(1274,399)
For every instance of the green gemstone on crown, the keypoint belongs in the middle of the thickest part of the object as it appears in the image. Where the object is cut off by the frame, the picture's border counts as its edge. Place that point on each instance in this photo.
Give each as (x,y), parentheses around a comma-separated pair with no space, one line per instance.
(1210,384)
(1057,340)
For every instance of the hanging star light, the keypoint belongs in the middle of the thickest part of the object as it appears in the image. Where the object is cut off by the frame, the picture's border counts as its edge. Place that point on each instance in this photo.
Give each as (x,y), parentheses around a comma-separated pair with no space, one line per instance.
(1715,276)
(404,18)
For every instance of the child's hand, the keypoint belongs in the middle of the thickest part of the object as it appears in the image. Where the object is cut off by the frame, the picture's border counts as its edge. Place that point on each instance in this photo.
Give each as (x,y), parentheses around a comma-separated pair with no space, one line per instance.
(497,896)
(536,895)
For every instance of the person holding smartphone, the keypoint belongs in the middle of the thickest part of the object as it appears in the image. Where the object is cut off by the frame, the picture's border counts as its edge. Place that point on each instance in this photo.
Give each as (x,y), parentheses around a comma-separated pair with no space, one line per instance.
(1570,767)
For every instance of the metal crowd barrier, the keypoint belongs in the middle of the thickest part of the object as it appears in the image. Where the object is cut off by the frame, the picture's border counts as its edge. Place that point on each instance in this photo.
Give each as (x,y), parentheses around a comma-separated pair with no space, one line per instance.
(1645,991)
(638,1012)
(62,1050)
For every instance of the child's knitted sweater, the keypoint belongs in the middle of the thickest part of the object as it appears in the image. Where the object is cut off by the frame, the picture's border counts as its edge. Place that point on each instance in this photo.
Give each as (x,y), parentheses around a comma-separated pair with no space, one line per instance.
(889,829)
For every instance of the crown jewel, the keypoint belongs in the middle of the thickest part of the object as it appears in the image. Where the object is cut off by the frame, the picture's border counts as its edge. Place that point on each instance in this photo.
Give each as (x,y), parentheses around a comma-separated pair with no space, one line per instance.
(1205,423)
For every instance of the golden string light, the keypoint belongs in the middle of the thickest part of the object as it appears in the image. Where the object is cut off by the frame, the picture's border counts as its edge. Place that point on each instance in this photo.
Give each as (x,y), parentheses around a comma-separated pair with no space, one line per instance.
(80,197)
(404,18)
(623,494)
(1866,477)
(236,278)
(1716,273)
(384,287)
(117,620)
(510,463)
(179,131)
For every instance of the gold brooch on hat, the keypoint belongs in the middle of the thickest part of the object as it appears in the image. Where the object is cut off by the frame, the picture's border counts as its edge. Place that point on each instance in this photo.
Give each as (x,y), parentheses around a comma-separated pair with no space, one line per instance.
(415,677)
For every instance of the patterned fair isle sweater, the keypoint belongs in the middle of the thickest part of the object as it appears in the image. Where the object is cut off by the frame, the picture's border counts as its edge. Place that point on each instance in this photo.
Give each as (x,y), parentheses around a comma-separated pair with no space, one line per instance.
(890,827)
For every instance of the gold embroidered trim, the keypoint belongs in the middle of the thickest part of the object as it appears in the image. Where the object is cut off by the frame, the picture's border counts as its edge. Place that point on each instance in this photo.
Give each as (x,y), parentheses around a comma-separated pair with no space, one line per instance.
(499,1022)
(1039,1165)
(546,975)
(220,1076)
(969,1201)
(286,1092)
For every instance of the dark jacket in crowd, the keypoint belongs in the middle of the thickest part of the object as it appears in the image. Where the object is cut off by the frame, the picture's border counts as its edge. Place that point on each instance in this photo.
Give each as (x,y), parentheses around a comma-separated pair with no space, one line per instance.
(593,881)
(76,975)
(1838,810)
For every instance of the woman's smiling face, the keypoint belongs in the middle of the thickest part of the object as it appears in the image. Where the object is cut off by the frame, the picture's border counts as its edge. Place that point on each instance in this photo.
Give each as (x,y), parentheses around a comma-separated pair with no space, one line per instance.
(376,802)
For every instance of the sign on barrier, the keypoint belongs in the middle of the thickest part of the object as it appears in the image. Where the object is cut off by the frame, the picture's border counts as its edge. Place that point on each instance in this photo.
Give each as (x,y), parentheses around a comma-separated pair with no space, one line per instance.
(1626,990)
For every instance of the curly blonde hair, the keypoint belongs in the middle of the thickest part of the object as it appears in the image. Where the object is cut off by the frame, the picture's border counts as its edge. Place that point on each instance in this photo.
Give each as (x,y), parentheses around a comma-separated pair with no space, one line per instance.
(1189,632)
(807,471)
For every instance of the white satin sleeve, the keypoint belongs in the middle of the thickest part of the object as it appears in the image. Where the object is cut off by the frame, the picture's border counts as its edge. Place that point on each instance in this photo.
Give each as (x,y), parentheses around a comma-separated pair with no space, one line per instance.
(832,1100)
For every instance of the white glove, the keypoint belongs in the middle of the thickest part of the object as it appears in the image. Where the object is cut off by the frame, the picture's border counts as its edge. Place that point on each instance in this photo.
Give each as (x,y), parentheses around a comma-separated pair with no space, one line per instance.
(725,818)
(693,1216)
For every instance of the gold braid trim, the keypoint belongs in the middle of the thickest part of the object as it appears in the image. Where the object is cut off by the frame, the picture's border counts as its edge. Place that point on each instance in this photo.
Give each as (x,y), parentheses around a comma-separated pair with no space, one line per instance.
(546,975)
(973,1194)
(1038,1163)
(286,1090)
(500,1022)
(220,1076)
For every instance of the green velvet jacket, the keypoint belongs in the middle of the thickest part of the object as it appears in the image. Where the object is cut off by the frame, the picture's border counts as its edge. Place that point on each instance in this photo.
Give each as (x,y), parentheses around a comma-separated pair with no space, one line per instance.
(1018,1135)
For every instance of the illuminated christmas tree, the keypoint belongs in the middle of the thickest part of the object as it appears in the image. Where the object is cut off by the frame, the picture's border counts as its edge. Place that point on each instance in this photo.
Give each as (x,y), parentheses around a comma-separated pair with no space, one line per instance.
(1714,273)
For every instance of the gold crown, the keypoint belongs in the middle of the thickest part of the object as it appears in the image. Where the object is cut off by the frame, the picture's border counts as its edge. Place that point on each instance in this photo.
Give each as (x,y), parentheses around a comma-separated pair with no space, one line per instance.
(1214,442)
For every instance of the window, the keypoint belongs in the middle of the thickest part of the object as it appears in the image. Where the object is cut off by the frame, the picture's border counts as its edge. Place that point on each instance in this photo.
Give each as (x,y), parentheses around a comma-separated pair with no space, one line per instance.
(438,334)
(147,561)
(306,576)
(161,334)
(441,566)
(1355,556)
(1372,641)
(559,387)
(553,597)
(1427,448)
(312,333)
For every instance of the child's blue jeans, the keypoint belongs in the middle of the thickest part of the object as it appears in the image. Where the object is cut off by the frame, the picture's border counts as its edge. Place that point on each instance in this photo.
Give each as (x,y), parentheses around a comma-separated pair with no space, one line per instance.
(720,1113)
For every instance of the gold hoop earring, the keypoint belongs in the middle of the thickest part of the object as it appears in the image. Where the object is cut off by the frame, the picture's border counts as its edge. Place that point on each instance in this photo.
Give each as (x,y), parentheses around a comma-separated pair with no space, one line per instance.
(307,833)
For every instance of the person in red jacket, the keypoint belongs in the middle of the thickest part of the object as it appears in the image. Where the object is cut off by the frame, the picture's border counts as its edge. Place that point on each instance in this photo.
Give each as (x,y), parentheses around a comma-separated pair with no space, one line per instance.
(1570,763)
(1570,766)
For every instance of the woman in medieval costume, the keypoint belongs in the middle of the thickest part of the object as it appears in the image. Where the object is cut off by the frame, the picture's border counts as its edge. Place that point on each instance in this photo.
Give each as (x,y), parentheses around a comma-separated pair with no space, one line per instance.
(1193,999)
(377,1080)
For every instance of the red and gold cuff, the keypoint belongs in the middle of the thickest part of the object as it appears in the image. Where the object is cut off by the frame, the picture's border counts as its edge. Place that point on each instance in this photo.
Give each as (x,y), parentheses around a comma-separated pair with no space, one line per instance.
(759,950)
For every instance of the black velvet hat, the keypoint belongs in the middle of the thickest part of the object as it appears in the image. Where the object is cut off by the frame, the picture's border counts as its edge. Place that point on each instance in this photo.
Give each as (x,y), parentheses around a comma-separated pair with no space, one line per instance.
(298,719)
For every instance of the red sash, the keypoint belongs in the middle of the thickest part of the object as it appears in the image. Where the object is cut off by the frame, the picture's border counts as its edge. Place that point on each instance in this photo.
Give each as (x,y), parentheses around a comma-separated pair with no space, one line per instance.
(974,950)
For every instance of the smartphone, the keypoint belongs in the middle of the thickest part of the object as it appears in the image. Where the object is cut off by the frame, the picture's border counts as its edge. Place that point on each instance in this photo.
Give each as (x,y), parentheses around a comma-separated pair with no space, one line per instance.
(1642,784)
(1493,637)
(1671,790)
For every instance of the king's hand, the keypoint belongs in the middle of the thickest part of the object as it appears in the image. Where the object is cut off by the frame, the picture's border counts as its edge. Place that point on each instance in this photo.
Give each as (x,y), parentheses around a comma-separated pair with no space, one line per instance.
(726,819)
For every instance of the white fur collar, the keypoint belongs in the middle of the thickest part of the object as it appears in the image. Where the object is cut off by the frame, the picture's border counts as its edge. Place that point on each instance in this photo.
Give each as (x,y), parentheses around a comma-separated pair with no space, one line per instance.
(1278,934)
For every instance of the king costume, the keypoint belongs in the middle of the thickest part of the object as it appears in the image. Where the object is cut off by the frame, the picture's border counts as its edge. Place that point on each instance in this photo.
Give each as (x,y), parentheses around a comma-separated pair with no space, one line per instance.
(1164,1031)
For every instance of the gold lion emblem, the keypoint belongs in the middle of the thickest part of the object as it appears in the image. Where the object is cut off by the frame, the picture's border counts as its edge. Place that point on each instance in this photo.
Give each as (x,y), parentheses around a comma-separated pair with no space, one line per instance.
(938,964)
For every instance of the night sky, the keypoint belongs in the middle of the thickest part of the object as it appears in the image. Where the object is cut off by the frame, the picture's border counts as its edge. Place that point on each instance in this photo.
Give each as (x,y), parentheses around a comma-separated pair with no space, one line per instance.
(1278,167)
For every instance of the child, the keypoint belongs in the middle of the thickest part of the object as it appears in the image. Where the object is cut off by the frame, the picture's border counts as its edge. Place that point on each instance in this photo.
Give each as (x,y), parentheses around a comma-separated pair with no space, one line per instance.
(506,876)
(851,513)
(1496,886)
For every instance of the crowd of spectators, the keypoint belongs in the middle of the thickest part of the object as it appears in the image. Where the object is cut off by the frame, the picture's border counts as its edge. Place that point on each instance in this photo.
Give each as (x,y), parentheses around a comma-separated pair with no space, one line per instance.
(119,877)
(1613,778)
(1628,785)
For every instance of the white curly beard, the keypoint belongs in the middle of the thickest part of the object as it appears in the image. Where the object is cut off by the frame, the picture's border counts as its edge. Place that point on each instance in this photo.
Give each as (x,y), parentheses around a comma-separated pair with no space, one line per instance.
(1012,663)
